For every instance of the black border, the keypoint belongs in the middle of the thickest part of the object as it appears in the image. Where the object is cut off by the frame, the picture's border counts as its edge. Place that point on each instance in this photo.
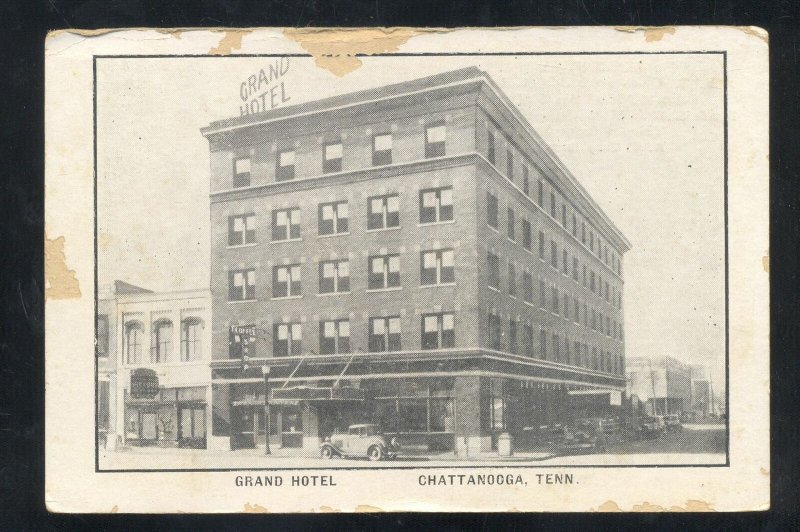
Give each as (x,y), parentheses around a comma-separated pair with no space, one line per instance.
(527,465)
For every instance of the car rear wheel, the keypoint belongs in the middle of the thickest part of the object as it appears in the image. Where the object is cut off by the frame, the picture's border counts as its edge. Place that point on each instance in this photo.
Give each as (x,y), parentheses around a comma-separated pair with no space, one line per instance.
(375,453)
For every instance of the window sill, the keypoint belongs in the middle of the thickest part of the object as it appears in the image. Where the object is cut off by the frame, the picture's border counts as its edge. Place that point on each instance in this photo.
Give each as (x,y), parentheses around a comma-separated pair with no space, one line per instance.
(283,298)
(495,229)
(512,296)
(328,294)
(287,240)
(436,285)
(236,301)
(387,289)
(248,245)
(528,303)
(334,235)
(428,224)
(493,289)
(512,240)
(382,229)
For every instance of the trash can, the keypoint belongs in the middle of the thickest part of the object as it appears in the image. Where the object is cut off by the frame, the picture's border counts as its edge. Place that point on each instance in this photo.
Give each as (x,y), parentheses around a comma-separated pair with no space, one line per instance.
(504,444)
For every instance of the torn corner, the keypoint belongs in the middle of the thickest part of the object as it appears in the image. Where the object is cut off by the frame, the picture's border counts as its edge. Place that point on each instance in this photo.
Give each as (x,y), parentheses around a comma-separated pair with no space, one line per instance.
(60,281)
(231,41)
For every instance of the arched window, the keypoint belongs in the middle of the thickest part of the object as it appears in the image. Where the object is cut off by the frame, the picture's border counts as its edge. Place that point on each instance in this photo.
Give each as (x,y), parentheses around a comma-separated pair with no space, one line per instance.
(191,339)
(134,339)
(161,344)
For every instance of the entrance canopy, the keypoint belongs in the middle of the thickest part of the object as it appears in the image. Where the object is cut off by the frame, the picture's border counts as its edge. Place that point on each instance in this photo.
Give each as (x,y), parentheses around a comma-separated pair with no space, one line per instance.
(614,396)
(328,393)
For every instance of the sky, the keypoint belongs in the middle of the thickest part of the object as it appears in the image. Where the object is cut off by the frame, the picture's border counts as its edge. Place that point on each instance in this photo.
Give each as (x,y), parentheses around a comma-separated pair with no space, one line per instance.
(642,133)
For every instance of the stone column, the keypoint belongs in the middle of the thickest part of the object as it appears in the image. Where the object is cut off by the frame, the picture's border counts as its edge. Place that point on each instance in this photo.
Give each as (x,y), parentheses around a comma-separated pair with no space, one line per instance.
(469,438)
(310,427)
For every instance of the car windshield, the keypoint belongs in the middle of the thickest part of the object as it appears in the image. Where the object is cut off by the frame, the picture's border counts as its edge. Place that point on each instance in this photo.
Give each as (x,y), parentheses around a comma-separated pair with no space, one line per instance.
(369,430)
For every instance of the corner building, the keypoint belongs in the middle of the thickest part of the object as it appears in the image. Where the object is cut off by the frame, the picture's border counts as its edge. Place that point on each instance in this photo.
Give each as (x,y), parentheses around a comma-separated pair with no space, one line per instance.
(412,255)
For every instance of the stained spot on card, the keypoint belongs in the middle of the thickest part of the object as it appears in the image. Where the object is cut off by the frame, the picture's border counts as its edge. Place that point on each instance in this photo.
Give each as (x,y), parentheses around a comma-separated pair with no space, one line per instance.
(336,50)
(366,508)
(651,33)
(254,509)
(692,505)
(231,40)
(765,262)
(60,281)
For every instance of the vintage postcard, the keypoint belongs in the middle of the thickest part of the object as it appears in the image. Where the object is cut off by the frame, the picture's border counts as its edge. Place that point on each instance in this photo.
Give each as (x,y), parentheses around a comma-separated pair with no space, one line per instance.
(407,270)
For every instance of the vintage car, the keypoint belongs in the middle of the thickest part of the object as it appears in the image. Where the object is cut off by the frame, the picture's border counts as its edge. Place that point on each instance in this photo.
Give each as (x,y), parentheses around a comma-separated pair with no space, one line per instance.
(588,435)
(651,426)
(672,423)
(359,441)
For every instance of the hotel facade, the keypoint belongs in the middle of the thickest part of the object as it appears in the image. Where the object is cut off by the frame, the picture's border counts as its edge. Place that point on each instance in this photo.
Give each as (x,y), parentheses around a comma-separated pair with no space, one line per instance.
(414,256)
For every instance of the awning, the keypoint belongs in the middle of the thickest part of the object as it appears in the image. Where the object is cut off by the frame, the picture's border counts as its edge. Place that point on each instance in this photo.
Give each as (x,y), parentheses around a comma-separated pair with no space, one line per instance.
(614,396)
(308,393)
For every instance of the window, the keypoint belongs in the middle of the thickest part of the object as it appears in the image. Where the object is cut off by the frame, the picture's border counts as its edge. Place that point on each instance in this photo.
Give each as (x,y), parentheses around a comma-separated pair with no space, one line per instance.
(490,151)
(565,306)
(134,339)
(241,172)
(334,276)
(494,270)
(584,275)
(583,233)
(577,349)
(332,157)
(438,331)
(492,216)
(286,281)
(285,169)
(591,281)
(594,320)
(510,165)
(287,339)
(577,316)
(567,354)
(511,225)
(527,287)
(556,348)
(241,285)
(591,240)
(191,339)
(564,215)
(543,344)
(333,218)
(555,300)
(528,339)
(575,269)
(574,225)
(383,212)
(436,205)
(608,326)
(540,193)
(512,280)
(542,295)
(565,262)
(102,336)
(553,205)
(541,245)
(554,254)
(161,341)
(437,267)
(526,185)
(384,334)
(334,337)
(435,140)
(495,332)
(285,224)
(526,235)
(241,230)
(513,325)
(384,272)
(382,149)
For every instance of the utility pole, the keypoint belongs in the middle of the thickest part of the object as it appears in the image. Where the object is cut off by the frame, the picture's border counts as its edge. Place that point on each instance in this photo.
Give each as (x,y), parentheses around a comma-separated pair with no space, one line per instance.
(265,371)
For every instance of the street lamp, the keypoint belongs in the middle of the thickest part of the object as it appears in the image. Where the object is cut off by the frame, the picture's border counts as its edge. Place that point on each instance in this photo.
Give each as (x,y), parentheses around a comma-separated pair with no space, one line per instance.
(265,372)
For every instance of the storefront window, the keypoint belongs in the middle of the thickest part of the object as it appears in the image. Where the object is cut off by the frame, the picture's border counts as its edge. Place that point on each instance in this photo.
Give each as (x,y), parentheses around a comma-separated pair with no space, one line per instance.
(413,414)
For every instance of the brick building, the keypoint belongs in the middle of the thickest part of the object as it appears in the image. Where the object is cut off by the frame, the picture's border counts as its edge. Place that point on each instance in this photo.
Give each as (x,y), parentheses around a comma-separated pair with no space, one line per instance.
(165,335)
(412,255)
(664,384)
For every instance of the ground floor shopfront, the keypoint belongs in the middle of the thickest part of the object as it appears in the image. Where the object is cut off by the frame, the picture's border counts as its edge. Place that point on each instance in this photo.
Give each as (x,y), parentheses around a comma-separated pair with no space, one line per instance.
(459,412)
(174,417)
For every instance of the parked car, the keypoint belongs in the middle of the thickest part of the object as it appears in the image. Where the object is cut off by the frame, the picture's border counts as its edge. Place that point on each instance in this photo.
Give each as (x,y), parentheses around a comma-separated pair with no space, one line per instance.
(651,427)
(589,435)
(672,423)
(360,441)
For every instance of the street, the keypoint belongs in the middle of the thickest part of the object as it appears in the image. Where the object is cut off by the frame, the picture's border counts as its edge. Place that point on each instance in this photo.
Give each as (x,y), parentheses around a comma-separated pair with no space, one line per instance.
(695,444)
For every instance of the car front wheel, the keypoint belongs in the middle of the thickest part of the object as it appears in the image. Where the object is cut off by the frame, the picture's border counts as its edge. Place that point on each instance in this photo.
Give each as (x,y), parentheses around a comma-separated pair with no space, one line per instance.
(327,453)
(375,453)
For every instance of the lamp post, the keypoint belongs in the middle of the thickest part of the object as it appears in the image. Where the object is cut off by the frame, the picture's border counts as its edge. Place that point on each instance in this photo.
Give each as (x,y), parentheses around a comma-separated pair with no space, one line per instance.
(265,372)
